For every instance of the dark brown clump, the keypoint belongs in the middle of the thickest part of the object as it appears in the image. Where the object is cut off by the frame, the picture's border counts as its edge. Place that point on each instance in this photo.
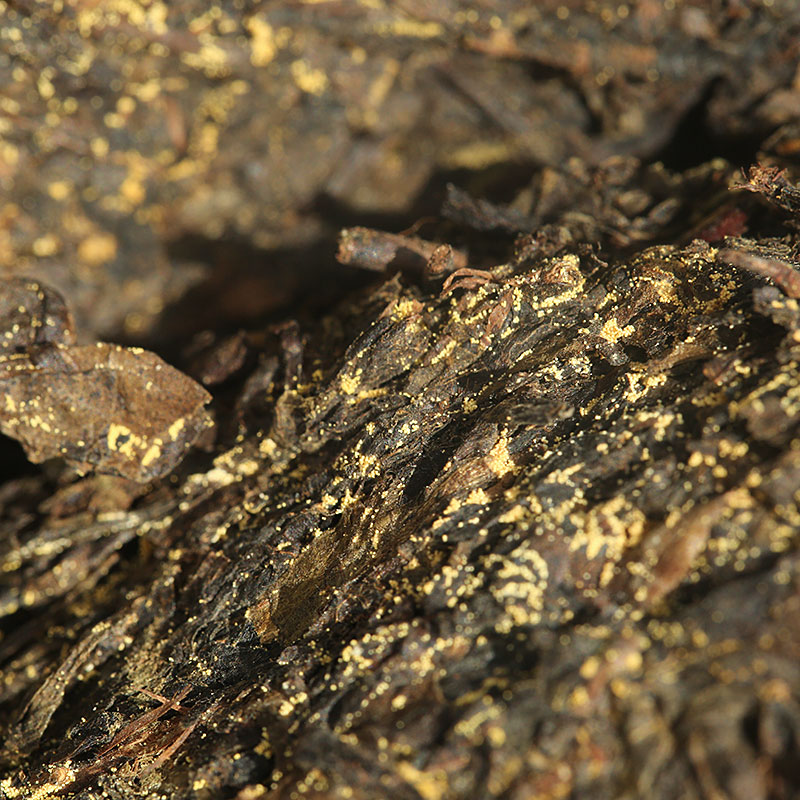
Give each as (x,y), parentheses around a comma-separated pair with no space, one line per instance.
(517,516)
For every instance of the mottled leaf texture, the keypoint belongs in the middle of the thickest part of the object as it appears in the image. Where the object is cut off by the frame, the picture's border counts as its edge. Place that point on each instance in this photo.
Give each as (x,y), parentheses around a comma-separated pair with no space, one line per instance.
(113,409)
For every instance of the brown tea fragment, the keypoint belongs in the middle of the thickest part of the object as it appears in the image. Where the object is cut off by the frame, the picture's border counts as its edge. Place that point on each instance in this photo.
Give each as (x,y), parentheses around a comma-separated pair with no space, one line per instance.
(215,363)
(32,314)
(482,215)
(117,410)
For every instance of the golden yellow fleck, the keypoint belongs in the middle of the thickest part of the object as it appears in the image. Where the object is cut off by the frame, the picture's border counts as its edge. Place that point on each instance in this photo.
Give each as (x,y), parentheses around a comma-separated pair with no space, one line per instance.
(478,155)
(350,383)
(406,307)
(499,459)
(44,85)
(114,120)
(46,245)
(285,709)
(639,384)
(612,332)
(153,452)
(117,432)
(99,147)
(59,190)
(430,785)
(308,79)
(263,47)
(126,105)
(98,248)
(399,701)
(578,698)
(776,691)
(412,28)
(248,467)
(633,661)
(176,428)
(268,447)
(620,688)
(218,477)
(9,153)
(496,735)
(477,497)
(590,668)
(264,747)
(185,168)
(444,354)
(156,17)
(211,59)
(205,141)
(132,188)
(148,91)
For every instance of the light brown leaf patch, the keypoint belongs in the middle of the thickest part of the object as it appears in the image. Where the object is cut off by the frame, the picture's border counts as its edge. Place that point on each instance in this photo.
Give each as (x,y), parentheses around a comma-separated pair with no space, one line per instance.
(116,410)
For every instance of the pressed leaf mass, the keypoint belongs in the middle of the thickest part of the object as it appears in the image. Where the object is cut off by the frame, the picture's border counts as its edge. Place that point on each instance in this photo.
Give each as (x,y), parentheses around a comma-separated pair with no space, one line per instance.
(503,500)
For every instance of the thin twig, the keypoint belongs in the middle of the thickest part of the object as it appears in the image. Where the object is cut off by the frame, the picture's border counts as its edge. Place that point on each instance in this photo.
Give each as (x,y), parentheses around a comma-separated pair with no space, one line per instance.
(145,719)
(781,272)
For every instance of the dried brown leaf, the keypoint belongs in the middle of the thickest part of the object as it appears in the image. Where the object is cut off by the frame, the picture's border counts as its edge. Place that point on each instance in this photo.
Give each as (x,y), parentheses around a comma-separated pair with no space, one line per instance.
(113,409)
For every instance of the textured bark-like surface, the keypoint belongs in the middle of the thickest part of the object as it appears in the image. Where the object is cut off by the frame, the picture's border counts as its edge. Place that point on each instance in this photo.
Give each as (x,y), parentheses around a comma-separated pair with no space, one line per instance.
(531,534)
(518,517)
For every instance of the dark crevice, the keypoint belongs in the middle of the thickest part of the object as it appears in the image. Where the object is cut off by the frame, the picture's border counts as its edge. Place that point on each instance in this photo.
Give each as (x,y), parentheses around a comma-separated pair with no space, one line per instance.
(250,286)
(13,463)
(695,142)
